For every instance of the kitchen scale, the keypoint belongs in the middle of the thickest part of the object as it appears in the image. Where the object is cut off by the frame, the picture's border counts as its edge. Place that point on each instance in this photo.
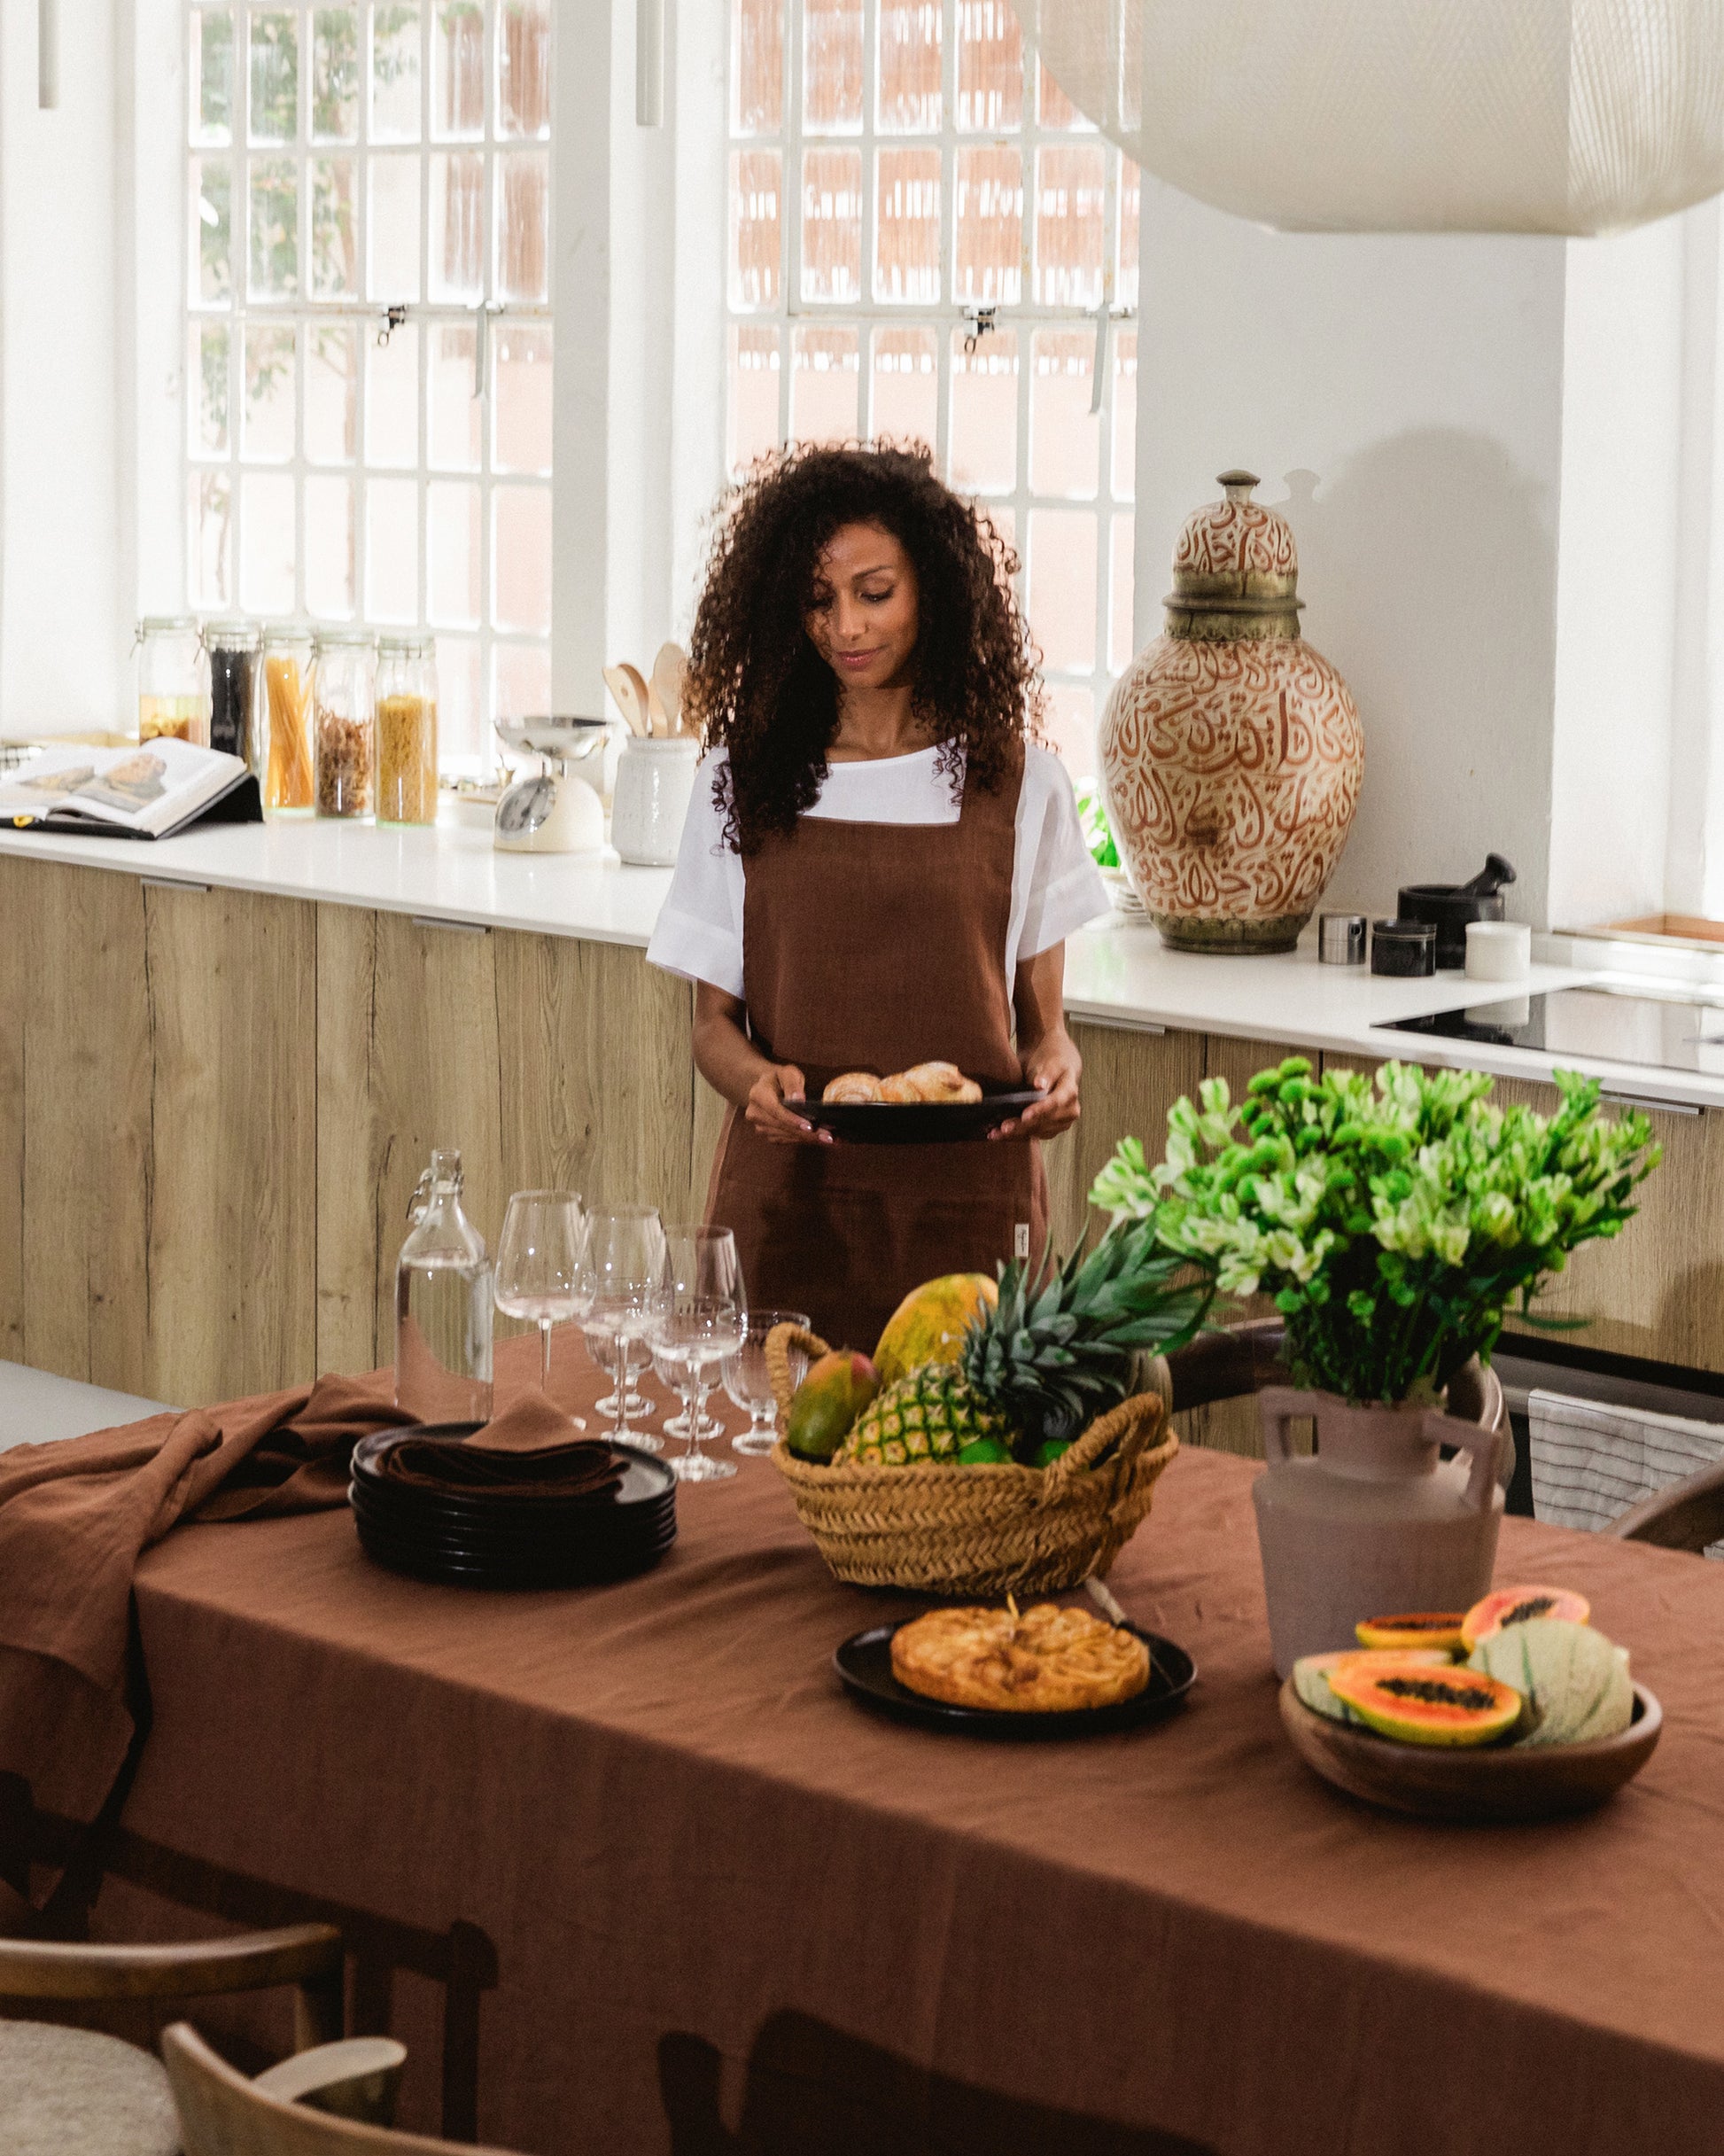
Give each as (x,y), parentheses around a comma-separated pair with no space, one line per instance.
(1680,1030)
(552,810)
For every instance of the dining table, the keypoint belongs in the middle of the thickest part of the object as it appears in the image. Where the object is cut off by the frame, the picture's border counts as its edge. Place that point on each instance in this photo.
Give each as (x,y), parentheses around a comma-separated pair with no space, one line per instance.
(632,1874)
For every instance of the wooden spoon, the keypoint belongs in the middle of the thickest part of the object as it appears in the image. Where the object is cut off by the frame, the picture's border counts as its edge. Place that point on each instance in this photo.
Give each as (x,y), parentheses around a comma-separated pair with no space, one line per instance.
(626,685)
(669,669)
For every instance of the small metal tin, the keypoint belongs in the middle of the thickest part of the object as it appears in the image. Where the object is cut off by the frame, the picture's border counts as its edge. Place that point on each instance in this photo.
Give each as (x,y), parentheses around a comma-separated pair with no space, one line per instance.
(1405,948)
(1342,940)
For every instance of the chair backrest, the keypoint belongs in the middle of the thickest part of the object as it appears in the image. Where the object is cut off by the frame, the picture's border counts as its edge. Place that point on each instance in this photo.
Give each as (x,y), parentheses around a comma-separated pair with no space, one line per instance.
(223,2114)
(1687,1516)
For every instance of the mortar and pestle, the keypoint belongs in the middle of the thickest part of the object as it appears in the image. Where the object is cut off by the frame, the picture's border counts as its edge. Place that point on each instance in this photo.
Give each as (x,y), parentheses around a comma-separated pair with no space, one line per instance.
(1450,907)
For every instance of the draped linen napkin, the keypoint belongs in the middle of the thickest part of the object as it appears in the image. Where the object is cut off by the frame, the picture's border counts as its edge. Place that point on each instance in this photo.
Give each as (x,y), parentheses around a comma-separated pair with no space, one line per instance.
(531,1449)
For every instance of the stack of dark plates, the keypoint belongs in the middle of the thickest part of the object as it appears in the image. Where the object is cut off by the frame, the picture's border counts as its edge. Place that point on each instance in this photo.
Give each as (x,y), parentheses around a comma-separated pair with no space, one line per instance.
(426,1502)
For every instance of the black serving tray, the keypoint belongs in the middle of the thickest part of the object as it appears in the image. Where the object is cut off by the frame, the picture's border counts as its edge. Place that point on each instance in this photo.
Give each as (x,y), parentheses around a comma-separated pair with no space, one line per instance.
(916,1123)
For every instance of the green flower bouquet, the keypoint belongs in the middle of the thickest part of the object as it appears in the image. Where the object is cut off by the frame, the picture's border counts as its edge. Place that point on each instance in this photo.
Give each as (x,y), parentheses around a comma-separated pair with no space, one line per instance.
(1394,1223)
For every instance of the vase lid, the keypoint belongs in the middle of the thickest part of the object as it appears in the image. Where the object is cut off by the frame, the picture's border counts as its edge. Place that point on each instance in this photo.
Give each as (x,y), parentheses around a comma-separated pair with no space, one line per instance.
(1235,568)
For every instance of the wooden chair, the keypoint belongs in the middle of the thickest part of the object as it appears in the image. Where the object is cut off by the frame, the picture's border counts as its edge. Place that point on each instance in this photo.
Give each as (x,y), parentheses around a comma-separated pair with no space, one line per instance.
(1689,1515)
(221,2113)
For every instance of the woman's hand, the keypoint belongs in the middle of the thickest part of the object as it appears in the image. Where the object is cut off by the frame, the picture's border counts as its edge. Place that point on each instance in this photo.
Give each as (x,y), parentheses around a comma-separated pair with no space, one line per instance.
(768,1094)
(772,1107)
(1052,1067)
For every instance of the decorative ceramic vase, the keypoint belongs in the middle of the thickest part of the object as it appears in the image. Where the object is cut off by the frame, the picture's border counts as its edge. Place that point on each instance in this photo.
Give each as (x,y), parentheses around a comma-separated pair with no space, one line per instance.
(1231,750)
(1373,1522)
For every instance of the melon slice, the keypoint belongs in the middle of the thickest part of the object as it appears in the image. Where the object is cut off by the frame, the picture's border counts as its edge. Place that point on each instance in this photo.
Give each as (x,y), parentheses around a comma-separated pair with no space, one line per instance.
(1575,1682)
(1310,1674)
(1399,1697)
(1432,1628)
(1519,1606)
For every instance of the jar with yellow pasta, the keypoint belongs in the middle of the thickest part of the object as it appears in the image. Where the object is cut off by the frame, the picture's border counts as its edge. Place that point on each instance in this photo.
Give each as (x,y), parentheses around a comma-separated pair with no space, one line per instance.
(407,730)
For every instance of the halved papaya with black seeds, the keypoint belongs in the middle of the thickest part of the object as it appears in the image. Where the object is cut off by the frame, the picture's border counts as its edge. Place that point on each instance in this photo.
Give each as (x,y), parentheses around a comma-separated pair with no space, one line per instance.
(1515,1606)
(1428,1628)
(1421,1705)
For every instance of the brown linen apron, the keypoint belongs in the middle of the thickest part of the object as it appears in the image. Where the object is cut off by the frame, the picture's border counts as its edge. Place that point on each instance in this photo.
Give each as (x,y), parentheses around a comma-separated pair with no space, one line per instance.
(873,947)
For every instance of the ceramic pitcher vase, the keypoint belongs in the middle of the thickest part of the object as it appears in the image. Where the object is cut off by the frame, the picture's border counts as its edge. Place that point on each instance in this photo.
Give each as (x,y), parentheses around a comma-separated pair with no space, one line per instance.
(1374,1523)
(1231,750)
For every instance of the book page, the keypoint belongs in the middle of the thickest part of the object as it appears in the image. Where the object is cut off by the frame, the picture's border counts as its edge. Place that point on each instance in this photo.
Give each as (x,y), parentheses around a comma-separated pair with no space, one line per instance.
(150,787)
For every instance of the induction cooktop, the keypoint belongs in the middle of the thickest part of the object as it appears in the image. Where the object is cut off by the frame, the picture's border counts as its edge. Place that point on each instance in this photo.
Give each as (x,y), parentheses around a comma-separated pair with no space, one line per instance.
(1673,1032)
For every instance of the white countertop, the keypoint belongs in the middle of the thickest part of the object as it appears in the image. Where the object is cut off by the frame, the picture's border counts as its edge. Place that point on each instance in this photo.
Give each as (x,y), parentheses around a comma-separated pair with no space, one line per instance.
(1116,973)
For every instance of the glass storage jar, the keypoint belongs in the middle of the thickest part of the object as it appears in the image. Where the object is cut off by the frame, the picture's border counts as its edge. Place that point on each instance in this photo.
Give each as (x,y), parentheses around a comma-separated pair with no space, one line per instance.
(173,680)
(407,730)
(282,713)
(233,645)
(443,1304)
(344,721)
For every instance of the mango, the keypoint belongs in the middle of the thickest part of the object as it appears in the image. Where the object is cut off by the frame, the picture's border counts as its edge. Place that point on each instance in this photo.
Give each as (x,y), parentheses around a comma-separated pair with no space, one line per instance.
(929,1325)
(837,1390)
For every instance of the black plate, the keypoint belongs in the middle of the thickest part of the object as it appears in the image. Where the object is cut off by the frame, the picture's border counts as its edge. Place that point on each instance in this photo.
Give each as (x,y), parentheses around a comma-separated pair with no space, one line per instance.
(570,1568)
(917,1122)
(864,1664)
(636,1530)
(646,1479)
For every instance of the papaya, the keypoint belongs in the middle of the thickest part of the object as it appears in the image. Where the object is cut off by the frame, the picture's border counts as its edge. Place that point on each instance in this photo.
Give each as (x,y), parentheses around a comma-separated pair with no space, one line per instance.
(1575,1682)
(1421,1704)
(1439,1627)
(928,1325)
(1516,1605)
(1311,1674)
(837,1390)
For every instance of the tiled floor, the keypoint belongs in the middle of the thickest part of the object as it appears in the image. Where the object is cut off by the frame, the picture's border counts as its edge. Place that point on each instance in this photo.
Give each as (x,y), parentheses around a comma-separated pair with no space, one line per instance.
(34,1406)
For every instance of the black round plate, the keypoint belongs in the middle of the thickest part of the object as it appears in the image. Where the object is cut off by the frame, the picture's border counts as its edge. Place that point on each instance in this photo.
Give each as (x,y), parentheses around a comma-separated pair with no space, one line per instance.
(549,1540)
(916,1123)
(456,1569)
(864,1664)
(646,1479)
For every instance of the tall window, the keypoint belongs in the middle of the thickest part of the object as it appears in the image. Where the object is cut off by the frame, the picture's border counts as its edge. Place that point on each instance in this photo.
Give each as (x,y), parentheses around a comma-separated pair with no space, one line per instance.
(368,408)
(927,240)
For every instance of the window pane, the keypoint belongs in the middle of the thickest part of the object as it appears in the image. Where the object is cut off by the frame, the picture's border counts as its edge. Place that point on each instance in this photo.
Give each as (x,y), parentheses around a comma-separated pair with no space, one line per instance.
(330,577)
(906,386)
(1125,415)
(989,184)
(212,350)
(824,377)
(332,395)
(274,77)
(521,398)
(395,71)
(452,537)
(1071,727)
(832,224)
(756,178)
(1130,192)
(1070,194)
(460,716)
(1054,108)
(393,269)
(457,233)
(753,395)
(990,67)
(524,69)
(266,573)
(907,226)
(524,226)
(909,66)
(1064,439)
(521,680)
(1119,602)
(756,65)
(392,550)
(266,435)
(458,70)
(334,230)
(275,228)
(335,74)
(454,409)
(984,413)
(831,67)
(211,195)
(521,558)
(392,399)
(210,539)
(1062,587)
(211,76)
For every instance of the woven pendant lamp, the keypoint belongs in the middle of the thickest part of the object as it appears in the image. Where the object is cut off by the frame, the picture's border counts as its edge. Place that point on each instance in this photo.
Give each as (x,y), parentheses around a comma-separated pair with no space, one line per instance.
(1562,116)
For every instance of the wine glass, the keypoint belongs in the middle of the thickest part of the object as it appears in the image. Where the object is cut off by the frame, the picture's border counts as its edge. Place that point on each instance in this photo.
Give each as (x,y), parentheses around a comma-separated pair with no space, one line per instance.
(747,1382)
(699,1321)
(622,1274)
(538,1272)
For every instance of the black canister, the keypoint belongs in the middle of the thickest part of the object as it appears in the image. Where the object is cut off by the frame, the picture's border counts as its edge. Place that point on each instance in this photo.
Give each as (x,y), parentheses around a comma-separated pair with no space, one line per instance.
(1450,907)
(1407,948)
(233,648)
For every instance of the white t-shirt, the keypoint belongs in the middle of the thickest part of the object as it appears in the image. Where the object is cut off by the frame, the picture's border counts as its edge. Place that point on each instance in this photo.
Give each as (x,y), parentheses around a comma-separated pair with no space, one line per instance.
(1055,886)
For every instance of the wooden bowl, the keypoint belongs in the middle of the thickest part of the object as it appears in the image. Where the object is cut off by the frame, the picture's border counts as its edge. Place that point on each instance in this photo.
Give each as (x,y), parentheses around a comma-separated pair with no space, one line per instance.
(1490,1783)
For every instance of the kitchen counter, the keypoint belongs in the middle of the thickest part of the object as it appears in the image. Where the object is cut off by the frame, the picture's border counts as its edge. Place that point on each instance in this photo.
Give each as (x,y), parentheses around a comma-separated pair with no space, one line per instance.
(1117,973)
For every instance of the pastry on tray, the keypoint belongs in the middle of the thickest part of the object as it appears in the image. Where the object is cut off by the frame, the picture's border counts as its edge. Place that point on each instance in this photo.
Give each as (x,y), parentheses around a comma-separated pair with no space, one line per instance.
(927,1082)
(1048,1660)
(853,1085)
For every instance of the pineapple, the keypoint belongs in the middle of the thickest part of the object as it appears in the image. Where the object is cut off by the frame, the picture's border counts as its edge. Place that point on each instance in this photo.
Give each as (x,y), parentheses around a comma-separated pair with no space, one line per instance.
(1046,1361)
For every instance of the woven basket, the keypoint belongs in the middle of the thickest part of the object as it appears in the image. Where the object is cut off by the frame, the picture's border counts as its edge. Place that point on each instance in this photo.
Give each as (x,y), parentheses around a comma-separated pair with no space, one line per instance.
(980,1530)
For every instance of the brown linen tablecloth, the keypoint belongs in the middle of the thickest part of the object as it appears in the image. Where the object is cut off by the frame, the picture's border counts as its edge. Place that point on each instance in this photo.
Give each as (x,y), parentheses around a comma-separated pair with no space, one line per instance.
(706,1876)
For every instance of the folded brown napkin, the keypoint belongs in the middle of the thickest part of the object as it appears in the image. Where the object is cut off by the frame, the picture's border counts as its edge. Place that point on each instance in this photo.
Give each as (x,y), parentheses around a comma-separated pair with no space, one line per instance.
(530,1450)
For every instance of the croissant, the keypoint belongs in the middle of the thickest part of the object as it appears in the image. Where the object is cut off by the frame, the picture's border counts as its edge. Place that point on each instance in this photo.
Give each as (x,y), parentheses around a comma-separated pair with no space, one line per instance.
(938,1082)
(853,1085)
(901,1089)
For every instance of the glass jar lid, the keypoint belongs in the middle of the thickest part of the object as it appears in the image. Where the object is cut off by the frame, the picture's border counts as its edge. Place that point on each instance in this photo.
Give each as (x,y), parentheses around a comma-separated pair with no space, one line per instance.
(348,640)
(167,624)
(292,629)
(232,632)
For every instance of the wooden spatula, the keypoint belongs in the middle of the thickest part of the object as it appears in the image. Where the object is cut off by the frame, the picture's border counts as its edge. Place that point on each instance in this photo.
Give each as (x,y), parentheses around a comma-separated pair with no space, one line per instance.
(626,685)
(669,668)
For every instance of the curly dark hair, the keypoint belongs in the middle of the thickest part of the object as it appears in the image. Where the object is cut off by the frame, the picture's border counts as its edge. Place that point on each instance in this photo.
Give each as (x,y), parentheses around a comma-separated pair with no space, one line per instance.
(757,687)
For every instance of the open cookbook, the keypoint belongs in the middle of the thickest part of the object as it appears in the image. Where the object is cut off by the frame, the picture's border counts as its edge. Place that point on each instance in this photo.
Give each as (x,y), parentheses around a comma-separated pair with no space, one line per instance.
(149,792)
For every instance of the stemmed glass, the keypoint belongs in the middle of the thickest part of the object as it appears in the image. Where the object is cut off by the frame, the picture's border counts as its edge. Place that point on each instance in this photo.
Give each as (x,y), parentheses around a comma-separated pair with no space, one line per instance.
(621,1274)
(747,1382)
(538,1262)
(699,1321)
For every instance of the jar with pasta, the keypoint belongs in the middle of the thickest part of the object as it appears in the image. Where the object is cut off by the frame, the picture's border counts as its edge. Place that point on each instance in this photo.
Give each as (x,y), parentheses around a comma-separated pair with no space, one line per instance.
(173,680)
(407,730)
(285,707)
(344,721)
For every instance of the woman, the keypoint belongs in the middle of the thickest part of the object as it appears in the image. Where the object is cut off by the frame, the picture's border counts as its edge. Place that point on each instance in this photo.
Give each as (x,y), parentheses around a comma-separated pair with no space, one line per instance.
(878,870)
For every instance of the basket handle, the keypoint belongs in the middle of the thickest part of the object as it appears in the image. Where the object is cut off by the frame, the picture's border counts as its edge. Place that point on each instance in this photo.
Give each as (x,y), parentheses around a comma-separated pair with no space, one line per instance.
(780,1342)
(1141,1431)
